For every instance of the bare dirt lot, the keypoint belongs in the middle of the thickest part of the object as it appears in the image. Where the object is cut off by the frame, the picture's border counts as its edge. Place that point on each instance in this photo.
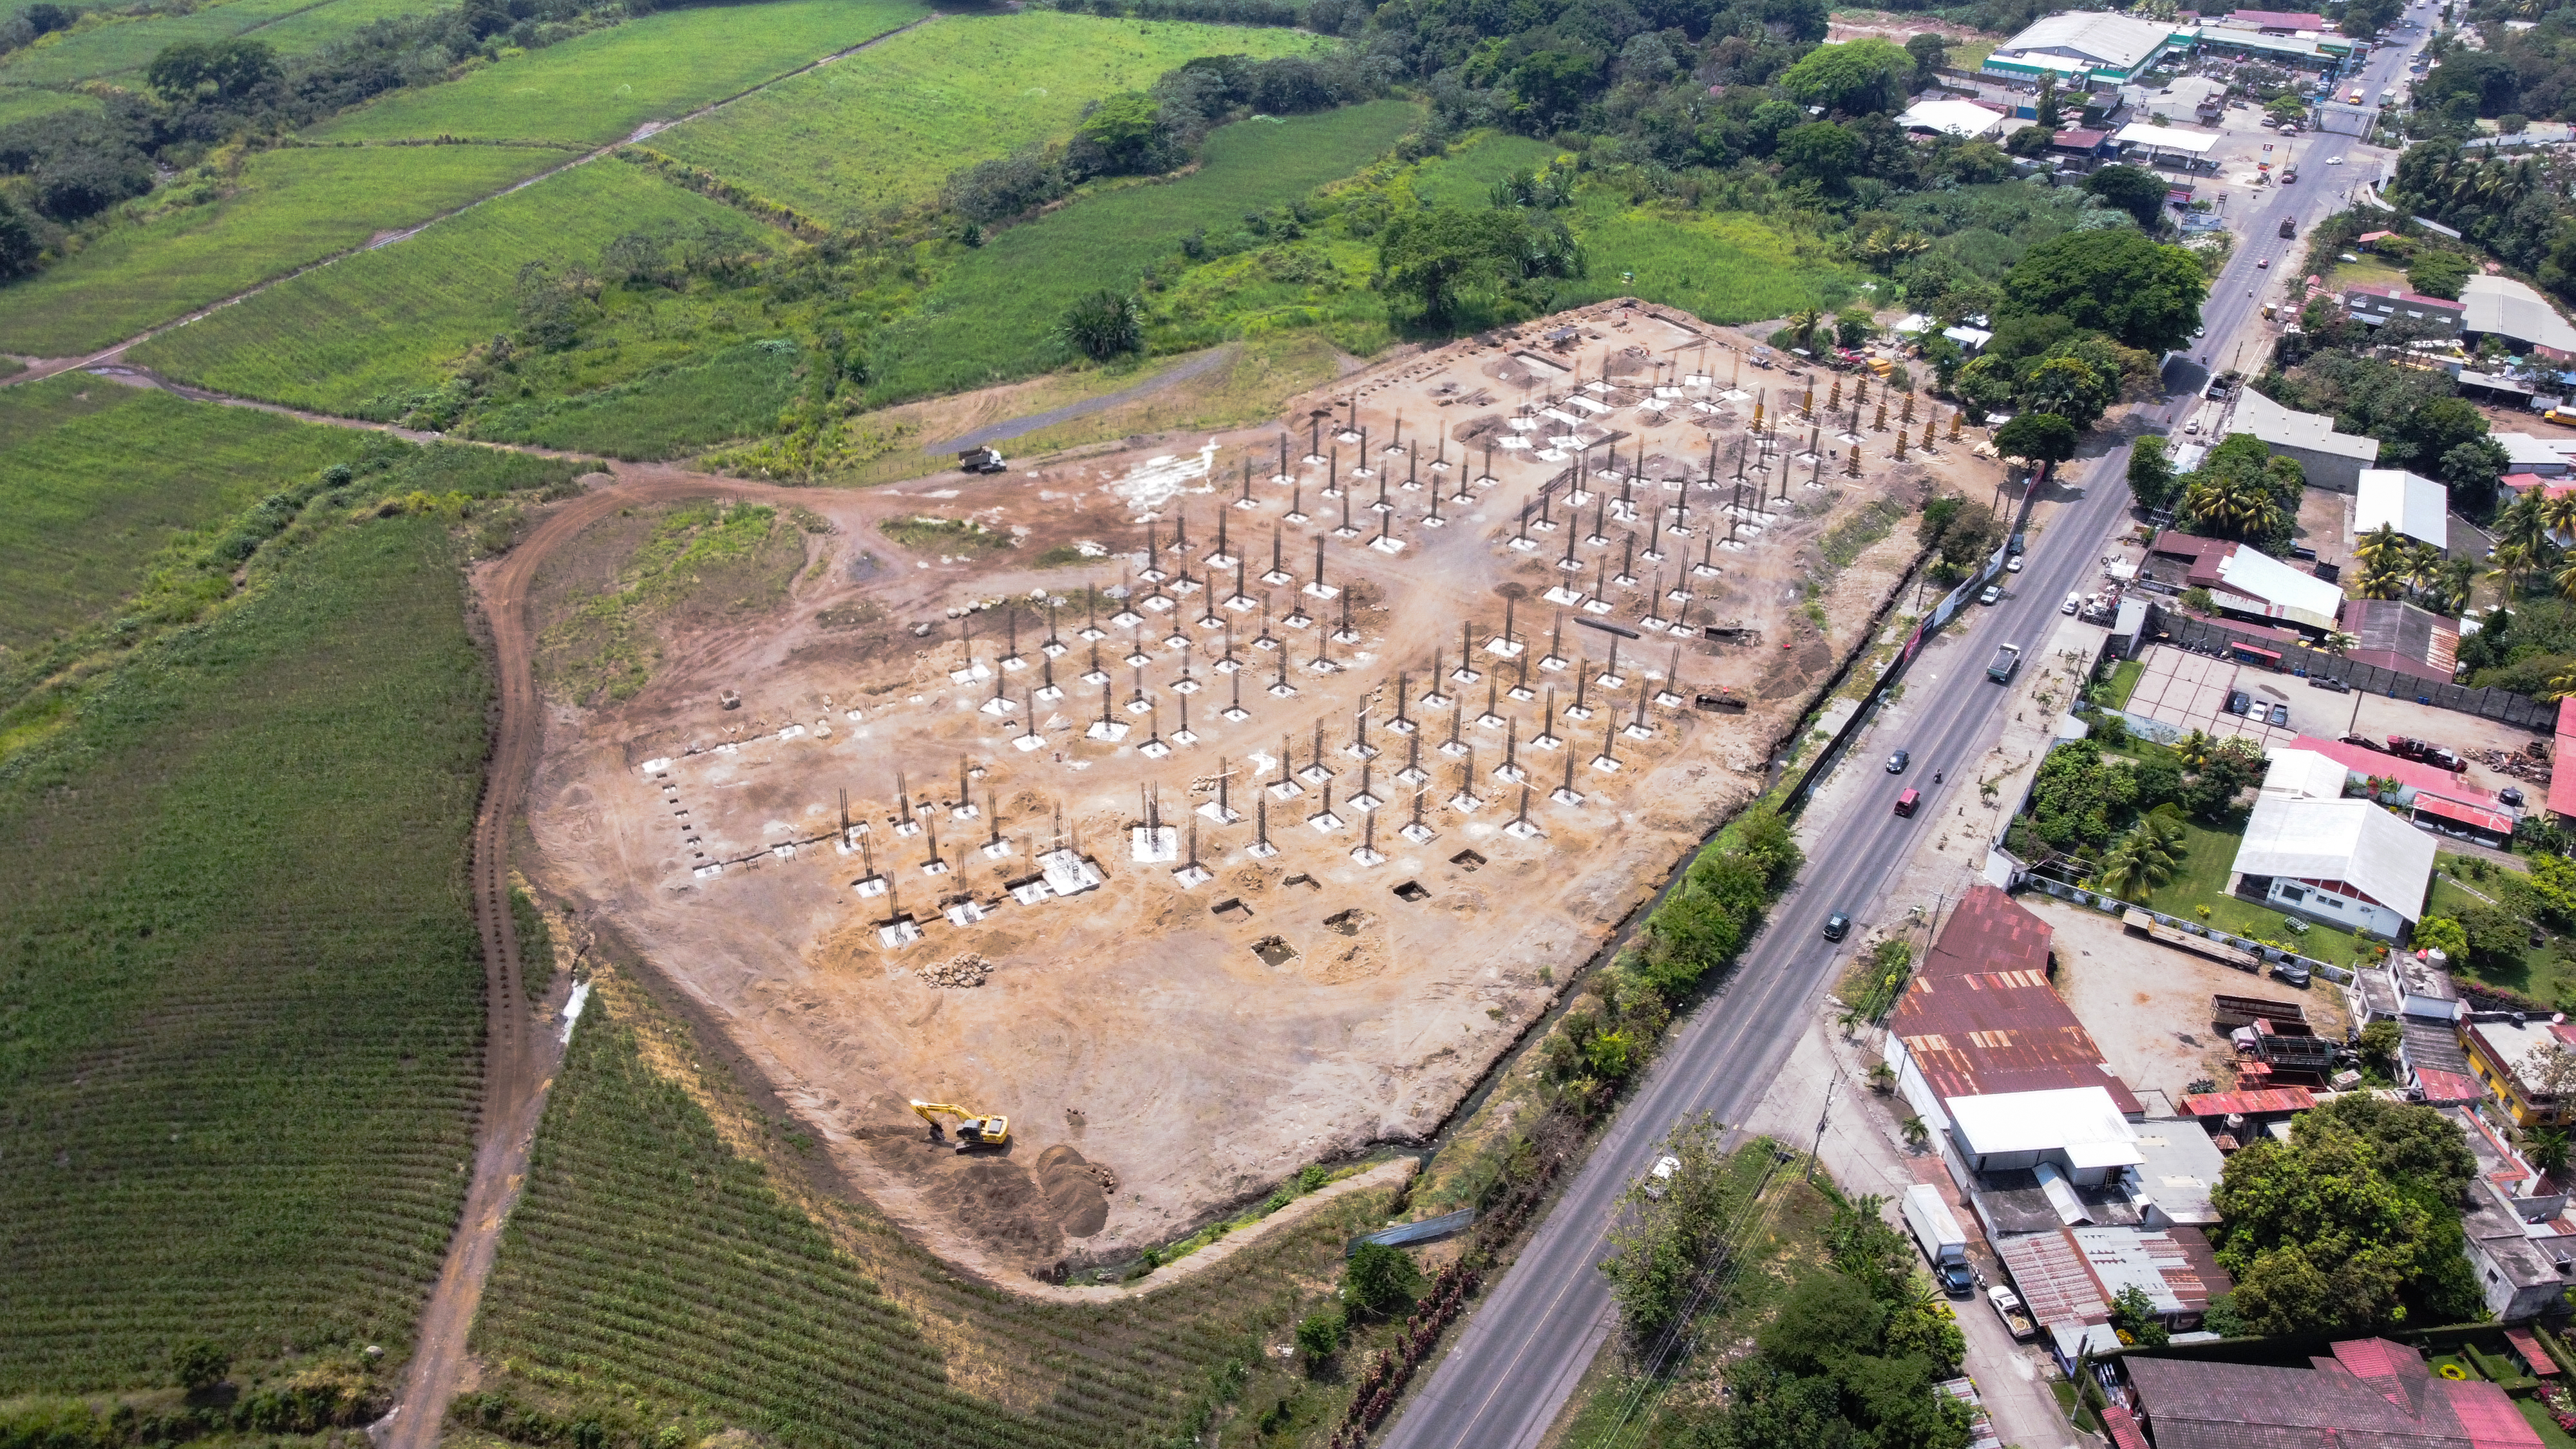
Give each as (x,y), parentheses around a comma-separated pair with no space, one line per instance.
(2147,1004)
(1255,886)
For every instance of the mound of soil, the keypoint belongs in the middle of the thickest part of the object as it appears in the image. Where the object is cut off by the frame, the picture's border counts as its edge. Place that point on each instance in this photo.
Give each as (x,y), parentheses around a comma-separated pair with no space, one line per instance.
(1078,1190)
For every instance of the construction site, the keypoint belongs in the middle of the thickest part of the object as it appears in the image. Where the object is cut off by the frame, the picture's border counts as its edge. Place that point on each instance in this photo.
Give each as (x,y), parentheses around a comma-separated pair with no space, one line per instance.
(1210,807)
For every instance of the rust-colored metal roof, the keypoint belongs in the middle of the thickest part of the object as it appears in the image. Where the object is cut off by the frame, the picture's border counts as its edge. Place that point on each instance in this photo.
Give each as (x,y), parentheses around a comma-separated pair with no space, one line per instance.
(2542,1365)
(2249,1104)
(1980,1018)
(2052,1279)
(2124,1429)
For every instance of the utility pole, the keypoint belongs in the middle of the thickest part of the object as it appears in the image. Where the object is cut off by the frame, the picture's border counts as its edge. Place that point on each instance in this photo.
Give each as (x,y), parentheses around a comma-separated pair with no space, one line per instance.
(1821,1118)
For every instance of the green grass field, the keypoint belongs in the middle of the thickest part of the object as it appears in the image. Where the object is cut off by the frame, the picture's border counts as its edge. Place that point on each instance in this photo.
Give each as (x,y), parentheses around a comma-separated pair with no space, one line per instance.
(288,209)
(656,1279)
(243,987)
(1725,268)
(595,88)
(1463,177)
(882,129)
(383,323)
(993,318)
(123,45)
(96,478)
(25,103)
(735,394)
(2203,882)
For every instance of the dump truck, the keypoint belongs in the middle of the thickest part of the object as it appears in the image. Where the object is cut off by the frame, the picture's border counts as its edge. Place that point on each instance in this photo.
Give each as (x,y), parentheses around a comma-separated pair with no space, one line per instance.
(980,460)
(2007,660)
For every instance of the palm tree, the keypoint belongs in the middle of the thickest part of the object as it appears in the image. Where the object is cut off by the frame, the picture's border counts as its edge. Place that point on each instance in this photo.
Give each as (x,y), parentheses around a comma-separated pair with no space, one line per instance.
(2523,522)
(2380,580)
(2566,580)
(2145,858)
(1803,324)
(2381,546)
(2195,749)
(2558,514)
(2338,642)
(2512,562)
(2562,686)
(2423,567)
(2237,506)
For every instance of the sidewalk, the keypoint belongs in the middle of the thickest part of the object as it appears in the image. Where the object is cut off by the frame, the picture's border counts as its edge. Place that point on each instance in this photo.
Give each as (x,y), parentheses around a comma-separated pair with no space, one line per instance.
(1863,1150)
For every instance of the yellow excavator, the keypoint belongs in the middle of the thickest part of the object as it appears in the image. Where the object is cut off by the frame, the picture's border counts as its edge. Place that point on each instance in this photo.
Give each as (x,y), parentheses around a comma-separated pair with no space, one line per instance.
(974,1129)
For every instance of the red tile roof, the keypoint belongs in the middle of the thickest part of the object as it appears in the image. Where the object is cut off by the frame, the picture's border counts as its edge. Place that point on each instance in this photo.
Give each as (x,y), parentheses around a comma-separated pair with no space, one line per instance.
(2489,1415)
(2124,1429)
(1980,1018)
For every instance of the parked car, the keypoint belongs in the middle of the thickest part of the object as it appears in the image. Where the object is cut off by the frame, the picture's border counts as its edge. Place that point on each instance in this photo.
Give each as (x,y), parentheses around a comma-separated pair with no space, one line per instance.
(2013,565)
(2008,1307)
(1661,1174)
(1994,594)
(2291,972)
(1837,926)
(2069,607)
(1897,762)
(2238,702)
(2511,796)
(2331,686)
(2281,715)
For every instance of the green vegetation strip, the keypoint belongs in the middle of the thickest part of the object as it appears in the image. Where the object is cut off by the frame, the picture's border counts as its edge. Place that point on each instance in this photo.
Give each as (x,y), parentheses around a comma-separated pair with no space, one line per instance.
(123,45)
(99,482)
(213,237)
(879,131)
(244,989)
(658,1286)
(994,317)
(357,336)
(599,87)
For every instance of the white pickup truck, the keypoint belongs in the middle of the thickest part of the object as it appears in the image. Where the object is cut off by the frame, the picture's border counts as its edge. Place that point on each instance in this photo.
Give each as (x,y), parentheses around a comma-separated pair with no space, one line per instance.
(2008,1307)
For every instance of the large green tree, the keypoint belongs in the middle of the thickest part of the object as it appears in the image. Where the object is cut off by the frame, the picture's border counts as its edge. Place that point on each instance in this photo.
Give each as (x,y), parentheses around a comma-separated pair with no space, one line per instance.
(2111,280)
(1439,257)
(1858,77)
(2133,189)
(2351,1224)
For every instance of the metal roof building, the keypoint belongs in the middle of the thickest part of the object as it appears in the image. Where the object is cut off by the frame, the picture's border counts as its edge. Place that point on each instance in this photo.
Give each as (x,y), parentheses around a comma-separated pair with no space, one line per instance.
(1965,119)
(2415,506)
(1980,1018)
(2348,863)
(2509,309)
(2393,634)
(2092,46)
(2330,459)
(2370,1392)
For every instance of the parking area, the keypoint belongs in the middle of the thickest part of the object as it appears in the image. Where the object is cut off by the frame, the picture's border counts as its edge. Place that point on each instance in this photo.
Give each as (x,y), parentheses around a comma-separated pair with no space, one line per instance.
(2189,691)
(2148,1003)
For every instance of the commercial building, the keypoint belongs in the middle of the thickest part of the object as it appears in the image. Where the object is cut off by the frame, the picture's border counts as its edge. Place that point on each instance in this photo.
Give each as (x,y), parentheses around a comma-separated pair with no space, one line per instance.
(2502,307)
(2279,22)
(2371,1391)
(2393,634)
(2415,506)
(2075,1133)
(2562,783)
(2328,458)
(2167,145)
(2087,48)
(2348,863)
(1980,1019)
(2375,305)
(2188,98)
(2245,581)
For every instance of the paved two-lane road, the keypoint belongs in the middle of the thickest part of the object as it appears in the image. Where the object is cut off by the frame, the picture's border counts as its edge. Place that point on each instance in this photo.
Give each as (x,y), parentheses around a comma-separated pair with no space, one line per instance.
(1530,1340)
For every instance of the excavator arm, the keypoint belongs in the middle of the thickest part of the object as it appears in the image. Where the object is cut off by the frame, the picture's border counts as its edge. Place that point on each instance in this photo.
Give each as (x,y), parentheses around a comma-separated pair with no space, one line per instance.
(974,1129)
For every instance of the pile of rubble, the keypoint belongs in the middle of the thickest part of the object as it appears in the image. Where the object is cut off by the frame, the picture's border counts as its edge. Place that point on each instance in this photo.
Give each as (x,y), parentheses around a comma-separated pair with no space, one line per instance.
(2531,764)
(967,968)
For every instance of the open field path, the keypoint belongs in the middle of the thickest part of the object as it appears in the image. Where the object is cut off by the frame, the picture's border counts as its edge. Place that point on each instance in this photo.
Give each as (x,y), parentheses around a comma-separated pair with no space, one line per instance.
(43,367)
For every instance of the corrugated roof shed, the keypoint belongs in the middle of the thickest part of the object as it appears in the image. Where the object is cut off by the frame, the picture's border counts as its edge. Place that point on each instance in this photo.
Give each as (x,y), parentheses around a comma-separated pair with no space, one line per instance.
(2249,1104)
(1980,1018)
(2562,783)
(2052,1280)
(2513,310)
(2393,634)
(2372,1395)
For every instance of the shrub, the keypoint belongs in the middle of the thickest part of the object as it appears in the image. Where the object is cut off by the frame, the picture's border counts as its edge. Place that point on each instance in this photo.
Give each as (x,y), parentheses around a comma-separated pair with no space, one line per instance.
(1319,1335)
(1379,1279)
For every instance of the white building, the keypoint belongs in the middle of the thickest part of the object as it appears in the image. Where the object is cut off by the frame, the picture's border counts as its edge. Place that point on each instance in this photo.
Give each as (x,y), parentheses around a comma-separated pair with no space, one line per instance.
(2304,775)
(2328,458)
(2503,307)
(2077,1132)
(2090,48)
(2348,863)
(1967,120)
(2415,506)
(2276,590)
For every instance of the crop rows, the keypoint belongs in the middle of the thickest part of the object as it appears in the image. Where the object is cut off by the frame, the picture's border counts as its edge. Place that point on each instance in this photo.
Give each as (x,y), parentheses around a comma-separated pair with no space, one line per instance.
(128,45)
(287,209)
(243,986)
(598,88)
(995,317)
(880,130)
(382,323)
(647,1265)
